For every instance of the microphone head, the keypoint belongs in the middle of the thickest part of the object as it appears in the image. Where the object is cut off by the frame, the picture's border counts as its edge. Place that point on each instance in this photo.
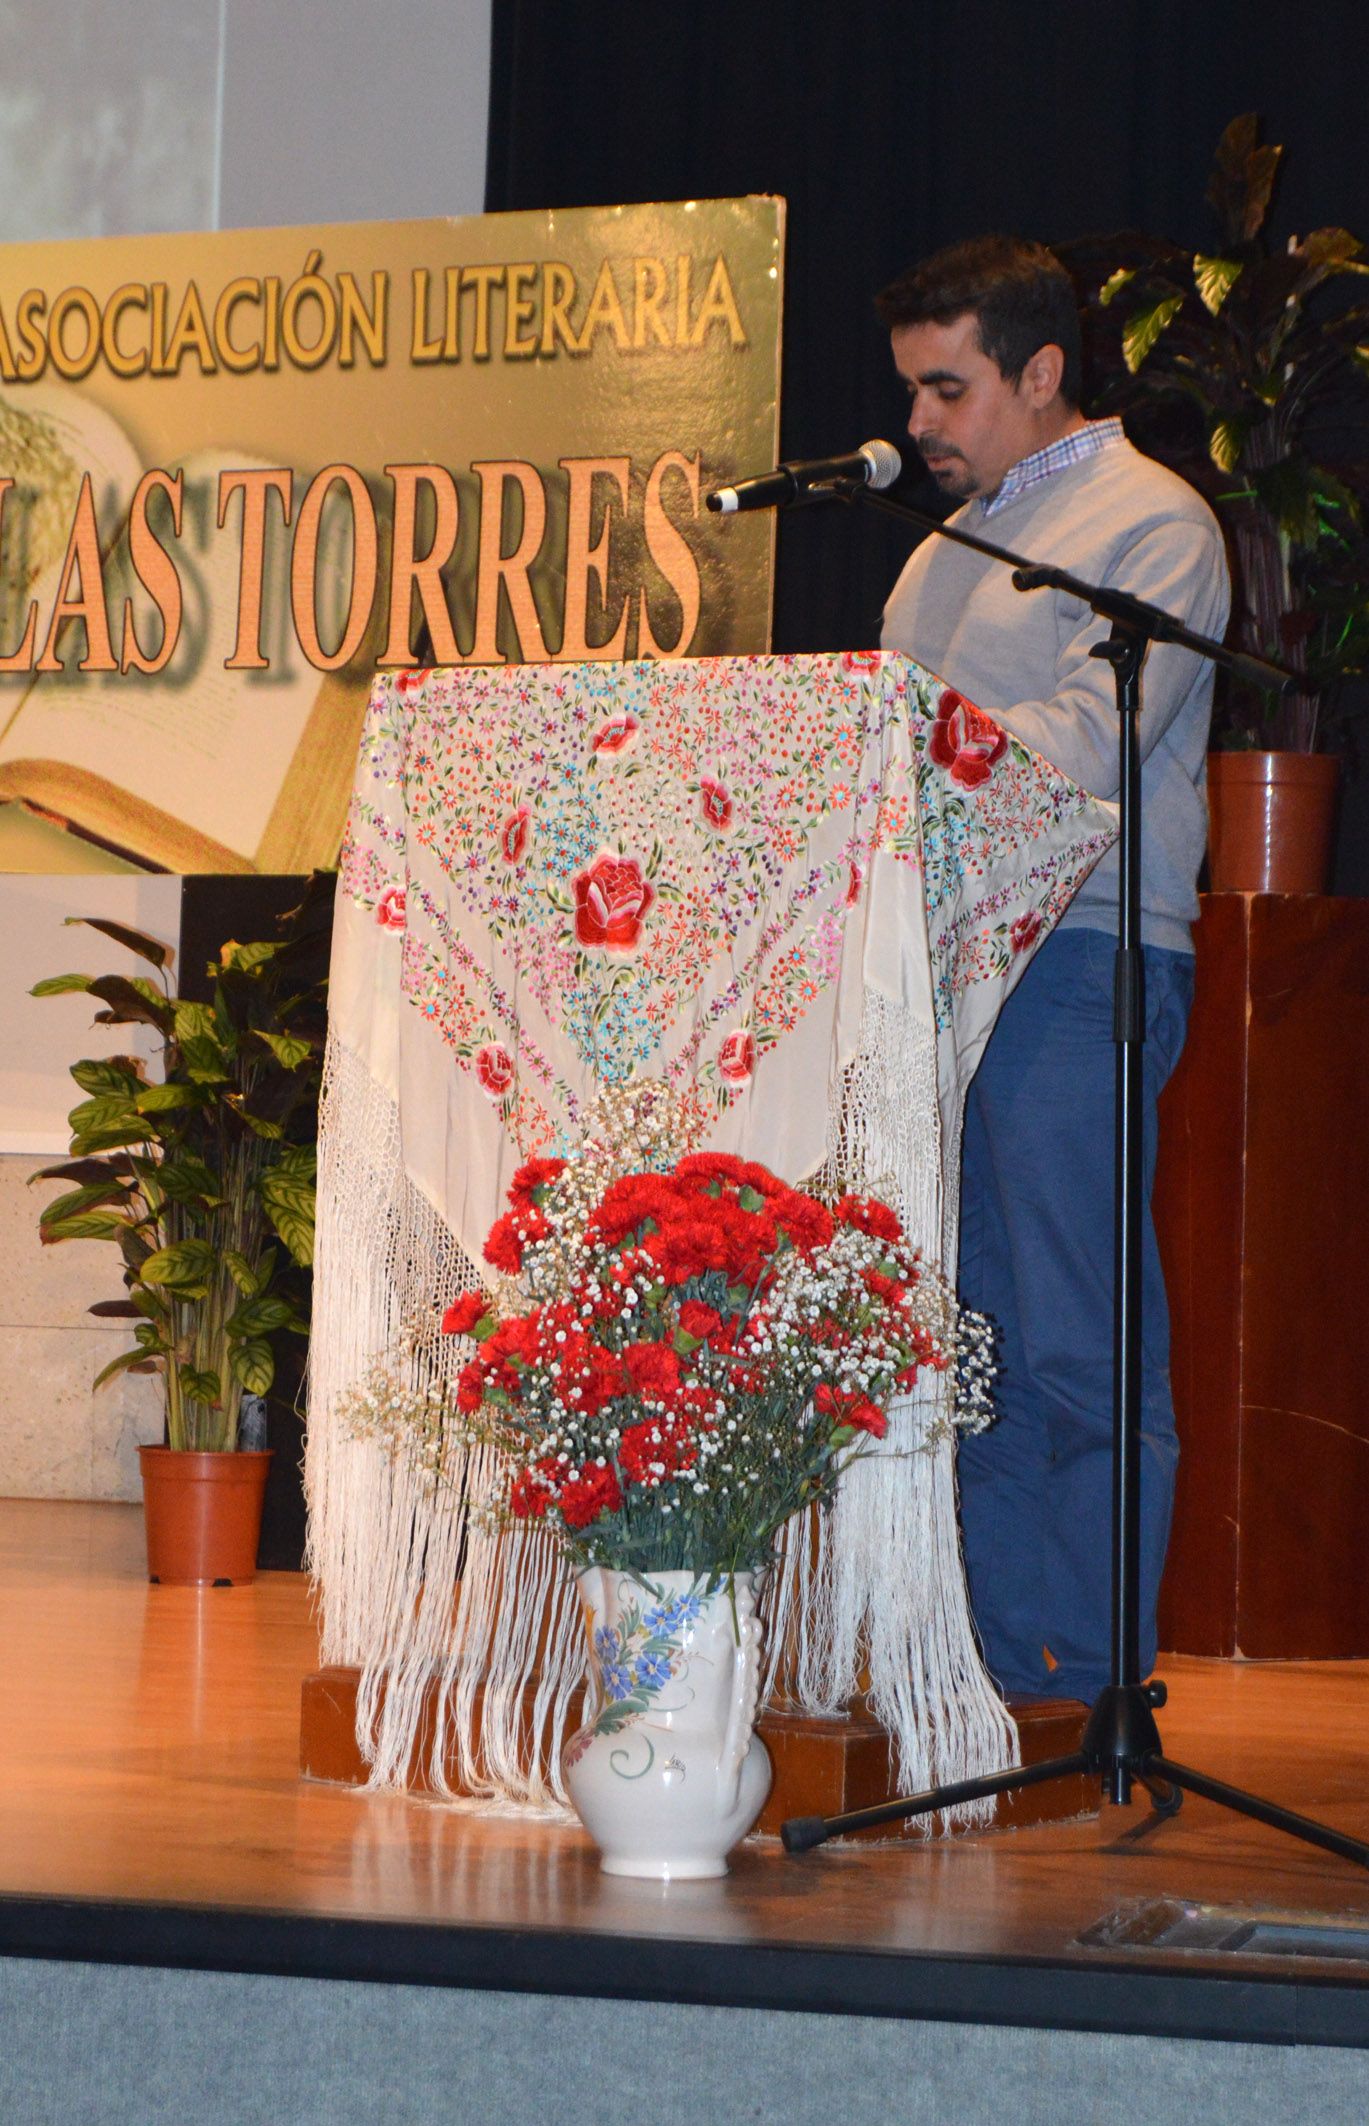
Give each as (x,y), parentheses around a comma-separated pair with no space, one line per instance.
(884,461)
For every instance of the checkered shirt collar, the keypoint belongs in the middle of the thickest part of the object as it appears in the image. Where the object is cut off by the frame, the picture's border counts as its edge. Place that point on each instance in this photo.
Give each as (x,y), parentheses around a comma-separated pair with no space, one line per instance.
(1072,449)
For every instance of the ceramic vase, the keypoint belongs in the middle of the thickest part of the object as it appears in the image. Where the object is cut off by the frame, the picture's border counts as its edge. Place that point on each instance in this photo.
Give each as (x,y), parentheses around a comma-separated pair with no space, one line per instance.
(669,1773)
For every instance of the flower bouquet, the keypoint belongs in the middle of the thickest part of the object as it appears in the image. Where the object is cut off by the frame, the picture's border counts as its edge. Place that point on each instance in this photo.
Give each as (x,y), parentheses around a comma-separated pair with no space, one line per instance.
(674,1364)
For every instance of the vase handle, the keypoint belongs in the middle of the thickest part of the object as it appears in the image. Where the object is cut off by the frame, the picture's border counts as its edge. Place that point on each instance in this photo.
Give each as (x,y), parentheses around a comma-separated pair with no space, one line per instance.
(746,1690)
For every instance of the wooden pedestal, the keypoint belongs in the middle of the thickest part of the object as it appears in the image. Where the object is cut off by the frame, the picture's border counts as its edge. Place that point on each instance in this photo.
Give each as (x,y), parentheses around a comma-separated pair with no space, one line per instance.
(821,1766)
(1262,1203)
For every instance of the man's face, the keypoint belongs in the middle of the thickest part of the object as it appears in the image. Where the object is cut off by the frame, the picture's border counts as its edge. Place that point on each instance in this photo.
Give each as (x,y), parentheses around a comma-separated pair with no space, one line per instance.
(970,424)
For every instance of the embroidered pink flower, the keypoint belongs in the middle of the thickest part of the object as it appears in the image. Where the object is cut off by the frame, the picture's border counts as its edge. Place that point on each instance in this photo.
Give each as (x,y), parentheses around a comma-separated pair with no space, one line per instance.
(619,734)
(714,803)
(860,660)
(854,882)
(513,835)
(390,909)
(1025,931)
(612,901)
(737,1057)
(494,1069)
(411,680)
(965,742)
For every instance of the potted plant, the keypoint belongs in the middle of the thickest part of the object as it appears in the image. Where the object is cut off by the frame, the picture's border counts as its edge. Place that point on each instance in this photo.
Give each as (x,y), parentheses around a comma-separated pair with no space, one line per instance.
(1246,369)
(203,1177)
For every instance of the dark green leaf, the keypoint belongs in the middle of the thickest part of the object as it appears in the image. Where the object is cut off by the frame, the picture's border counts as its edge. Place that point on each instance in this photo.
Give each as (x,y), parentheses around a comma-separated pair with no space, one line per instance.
(185,1267)
(133,1002)
(84,1199)
(1214,279)
(243,959)
(1115,283)
(115,1310)
(1242,180)
(135,941)
(83,1170)
(201,1386)
(288,1049)
(290,1205)
(253,1364)
(258,1316)
(87,1225)
(108,1074)
(162,1099)
(1143,329)
(239,1269)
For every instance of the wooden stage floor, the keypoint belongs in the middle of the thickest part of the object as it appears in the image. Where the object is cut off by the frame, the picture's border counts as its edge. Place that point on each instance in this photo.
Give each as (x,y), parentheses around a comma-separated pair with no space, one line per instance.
(151,1812)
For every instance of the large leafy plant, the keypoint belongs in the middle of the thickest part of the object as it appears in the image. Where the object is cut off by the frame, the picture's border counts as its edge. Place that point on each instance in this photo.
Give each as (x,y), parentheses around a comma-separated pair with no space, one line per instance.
(202,1177)
(1247,368)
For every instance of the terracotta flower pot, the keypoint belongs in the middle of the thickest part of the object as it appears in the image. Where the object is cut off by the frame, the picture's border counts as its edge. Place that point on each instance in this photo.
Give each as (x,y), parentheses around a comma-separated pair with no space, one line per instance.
(1271,820)
(203,1515)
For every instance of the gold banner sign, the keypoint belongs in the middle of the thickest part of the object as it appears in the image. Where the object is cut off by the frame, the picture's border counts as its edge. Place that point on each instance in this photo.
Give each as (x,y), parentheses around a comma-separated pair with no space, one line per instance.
(241,472)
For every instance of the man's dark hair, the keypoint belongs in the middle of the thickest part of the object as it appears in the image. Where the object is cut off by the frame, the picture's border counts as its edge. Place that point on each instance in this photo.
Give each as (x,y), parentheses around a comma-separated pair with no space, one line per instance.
(1021,296)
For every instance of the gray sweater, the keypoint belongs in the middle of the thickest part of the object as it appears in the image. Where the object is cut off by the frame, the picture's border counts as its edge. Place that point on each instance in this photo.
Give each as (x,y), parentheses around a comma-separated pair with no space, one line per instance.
(1120,519)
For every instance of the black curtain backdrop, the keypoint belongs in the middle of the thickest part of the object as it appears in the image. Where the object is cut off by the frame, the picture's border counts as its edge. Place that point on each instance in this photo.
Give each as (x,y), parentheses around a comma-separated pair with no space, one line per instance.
(892,129)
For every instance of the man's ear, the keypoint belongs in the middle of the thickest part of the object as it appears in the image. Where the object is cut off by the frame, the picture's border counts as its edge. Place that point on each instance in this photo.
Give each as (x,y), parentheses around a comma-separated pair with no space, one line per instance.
(1042,373)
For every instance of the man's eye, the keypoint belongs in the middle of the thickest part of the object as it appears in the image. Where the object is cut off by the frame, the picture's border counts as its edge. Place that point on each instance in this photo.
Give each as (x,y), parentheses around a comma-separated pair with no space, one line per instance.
(949,393)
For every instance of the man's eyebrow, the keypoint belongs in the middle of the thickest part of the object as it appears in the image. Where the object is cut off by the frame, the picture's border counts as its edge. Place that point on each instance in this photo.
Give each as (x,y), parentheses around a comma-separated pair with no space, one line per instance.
(935,376)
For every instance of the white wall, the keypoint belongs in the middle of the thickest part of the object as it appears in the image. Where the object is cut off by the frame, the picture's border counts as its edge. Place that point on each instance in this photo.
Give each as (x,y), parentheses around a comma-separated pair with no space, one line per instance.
(149,116)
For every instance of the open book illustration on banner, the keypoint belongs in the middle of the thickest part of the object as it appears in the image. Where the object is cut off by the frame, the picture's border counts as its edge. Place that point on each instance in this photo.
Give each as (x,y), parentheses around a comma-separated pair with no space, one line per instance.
(153,766)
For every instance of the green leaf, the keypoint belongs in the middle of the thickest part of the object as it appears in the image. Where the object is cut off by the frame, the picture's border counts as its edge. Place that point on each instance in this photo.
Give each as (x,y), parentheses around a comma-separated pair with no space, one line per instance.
(135,941)
(84,1199)
(161,1099)
(84,1170)
(108,1074)
(750,1199)
(115,1310)
(260,1125)
(258,1316)
(185,1267)
(87,1225)
(1142,330)
(253,1364)
(1115,283)
(126,1362)
(61,985)
(287,1048)
(1214,279)
(1226,442)
(243,959)
(239,1269)
(201,1385)
(290,1205)
(194,1022)
(298,1159)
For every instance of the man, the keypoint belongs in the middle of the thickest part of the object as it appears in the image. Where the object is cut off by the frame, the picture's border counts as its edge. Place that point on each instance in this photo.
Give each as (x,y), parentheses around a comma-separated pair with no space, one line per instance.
(986,337)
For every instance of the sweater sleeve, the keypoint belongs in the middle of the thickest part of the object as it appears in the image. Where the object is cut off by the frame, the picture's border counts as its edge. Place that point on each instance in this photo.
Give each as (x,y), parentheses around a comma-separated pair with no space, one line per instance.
(1181,567)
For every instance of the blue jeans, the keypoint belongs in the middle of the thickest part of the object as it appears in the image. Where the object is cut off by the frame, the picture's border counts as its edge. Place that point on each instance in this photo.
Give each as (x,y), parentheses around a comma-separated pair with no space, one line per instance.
(1036,1254)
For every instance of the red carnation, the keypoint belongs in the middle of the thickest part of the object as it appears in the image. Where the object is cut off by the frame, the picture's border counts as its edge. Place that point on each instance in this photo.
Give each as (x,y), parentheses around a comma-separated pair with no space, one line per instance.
(699,1320)
(509,1236)
(612,901)
(462,1317)
(538,1173)
(706,1167)
(868,1215)
(868,1417)
(586,1496)
(652,1452)
(652,1370)
(529,1497)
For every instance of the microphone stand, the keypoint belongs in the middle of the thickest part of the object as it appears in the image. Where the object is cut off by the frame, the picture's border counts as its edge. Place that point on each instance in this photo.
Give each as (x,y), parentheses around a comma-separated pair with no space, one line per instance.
(1121,1743)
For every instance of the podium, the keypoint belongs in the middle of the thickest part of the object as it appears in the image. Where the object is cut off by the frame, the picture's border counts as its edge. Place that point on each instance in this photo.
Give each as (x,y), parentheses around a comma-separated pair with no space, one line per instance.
(796,888)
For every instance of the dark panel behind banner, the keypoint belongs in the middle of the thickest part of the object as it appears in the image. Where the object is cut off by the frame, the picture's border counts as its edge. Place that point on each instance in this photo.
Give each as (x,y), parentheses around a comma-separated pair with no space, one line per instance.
(892,130)
(213,910)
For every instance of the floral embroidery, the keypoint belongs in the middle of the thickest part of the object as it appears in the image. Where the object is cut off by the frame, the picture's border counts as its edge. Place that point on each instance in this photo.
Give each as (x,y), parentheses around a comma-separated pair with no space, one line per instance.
(613,868)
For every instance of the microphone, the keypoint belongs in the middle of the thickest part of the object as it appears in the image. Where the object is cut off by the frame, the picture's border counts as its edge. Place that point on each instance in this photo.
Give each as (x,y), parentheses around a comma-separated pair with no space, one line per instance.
(875,464)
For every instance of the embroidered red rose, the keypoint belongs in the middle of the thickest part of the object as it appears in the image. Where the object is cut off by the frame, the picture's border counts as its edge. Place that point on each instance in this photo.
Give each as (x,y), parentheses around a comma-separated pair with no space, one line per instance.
(1025,931)
(618,735)
(411,681)
(494,1068)
(513,835)
(390,909)
(737,1057)
(612,901)
(855,880)
(965,741)
(714,803)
